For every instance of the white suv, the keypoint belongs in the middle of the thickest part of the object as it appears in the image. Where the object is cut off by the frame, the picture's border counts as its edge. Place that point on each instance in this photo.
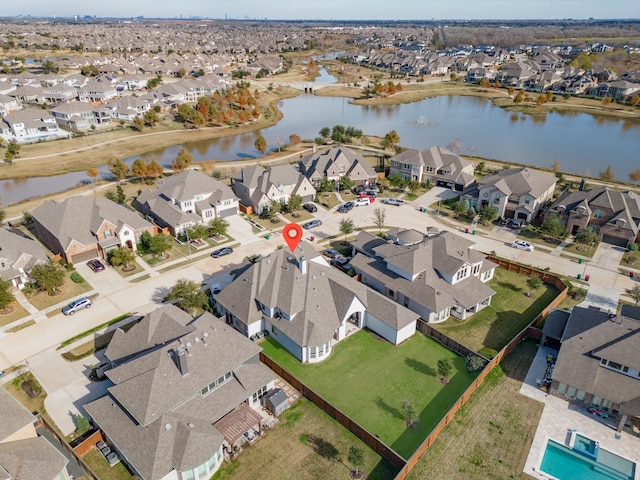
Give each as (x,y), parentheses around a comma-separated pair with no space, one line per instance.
(362,201)
(522,245)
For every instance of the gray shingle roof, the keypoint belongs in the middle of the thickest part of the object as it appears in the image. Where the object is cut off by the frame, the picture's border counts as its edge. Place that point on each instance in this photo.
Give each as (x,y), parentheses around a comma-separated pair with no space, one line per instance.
(520,181)
(13,416)
(31,458)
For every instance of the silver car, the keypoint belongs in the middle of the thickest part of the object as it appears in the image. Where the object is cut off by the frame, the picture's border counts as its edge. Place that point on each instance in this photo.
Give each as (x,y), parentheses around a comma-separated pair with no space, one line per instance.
(79,304)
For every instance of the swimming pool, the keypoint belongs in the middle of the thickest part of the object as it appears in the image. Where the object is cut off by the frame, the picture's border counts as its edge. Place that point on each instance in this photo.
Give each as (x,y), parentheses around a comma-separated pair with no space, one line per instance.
(565,464)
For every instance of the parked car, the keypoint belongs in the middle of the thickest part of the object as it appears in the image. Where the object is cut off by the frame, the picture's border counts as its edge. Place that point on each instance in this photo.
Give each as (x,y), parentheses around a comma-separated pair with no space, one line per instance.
(372,198)
(312,224)
(345,207)
(362,201)
(373,187)
(310,207)
(215,289)
(221,252)
(393,201)
(331,253)
(517,223)
(358,189)
(95,265)
(522,245)
(79,304)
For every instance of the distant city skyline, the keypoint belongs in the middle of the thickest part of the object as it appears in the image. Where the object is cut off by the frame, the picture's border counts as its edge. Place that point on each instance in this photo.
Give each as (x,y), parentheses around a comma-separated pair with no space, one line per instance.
(331,9)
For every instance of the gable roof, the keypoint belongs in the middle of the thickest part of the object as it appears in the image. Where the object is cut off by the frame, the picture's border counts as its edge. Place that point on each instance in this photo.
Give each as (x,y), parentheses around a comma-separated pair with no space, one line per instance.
(520,181)
(31,458)
(191,183)
(316,165)
(13,416)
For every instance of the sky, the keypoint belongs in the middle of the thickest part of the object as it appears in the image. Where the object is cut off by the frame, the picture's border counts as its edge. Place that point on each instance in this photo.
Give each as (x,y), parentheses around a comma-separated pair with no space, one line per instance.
(330,9)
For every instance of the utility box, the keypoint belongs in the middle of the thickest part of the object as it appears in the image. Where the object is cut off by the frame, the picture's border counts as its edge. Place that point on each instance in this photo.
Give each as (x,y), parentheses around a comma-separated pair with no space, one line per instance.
(276,401)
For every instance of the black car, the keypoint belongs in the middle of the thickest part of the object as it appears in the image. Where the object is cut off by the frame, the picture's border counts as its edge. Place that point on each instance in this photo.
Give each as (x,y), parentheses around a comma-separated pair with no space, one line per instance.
(310,207)
(95,265)
(312,224)
(346,207)
(222,252)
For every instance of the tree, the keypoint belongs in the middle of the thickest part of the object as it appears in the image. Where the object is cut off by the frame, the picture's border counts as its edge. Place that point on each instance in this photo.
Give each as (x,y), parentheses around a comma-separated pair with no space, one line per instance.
(346,227)
(553,226)
(444,369)
(160,244)
(118,169)
(325,132)
(379,218)
(13,148)
(634,293)
(6,297)
(480,168)
(409,412)
(151,118)
(413,186)
(93,173)
(460,207)
(82,425)
(121,198)
(294,204)
(187,295)
(606,175)
(356,458)
(606,101)
(534,283)
(346,183)
(198,231)
(635,176)
(139,168)
(586,236)
(121,256)
(3,215)
(48,277)
(138,123)
(634,100)
(396,180)
(260,144)
(182,161)
(218,226)
(294,140)
(391,139)
(474,363)
(155,169)
(488,214)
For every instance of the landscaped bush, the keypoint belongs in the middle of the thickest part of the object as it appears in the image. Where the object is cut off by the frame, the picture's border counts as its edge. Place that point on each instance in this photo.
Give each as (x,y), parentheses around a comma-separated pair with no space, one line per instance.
(154,260)
(487,352)
(633,247)
(76,277)
(70,267)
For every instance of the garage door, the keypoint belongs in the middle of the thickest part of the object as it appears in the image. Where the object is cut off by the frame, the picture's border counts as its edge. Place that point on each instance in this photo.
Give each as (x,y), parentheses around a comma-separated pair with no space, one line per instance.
(227,213)
(620,242)
(84,256)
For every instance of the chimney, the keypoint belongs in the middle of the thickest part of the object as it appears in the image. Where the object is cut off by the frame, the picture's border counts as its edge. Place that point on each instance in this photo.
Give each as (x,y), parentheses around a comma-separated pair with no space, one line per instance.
(302,263)
(181,361)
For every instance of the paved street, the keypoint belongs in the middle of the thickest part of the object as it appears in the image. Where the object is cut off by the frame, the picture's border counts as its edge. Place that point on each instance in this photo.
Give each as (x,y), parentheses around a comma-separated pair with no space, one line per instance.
(67,384)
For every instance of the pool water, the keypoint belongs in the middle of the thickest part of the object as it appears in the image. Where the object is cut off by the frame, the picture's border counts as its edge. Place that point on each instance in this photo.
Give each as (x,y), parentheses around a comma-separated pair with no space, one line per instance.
(564,464)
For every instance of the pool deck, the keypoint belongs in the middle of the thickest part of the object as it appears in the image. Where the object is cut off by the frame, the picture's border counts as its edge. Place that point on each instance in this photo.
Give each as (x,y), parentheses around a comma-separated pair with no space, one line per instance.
(559,417)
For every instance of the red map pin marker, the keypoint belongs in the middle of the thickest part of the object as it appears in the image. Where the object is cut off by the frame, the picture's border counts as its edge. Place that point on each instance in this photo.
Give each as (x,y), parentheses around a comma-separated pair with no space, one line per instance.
(292,234)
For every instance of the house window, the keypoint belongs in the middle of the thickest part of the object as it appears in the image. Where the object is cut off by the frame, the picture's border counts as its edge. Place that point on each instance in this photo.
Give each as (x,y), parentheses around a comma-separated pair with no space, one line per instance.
(202,471)
(396,163)
(597,213)
(562,388)
(476,269)
(571,392)
(212,462)
(462,273)
(312,352)
(189,475)
(274,330)
(259,394)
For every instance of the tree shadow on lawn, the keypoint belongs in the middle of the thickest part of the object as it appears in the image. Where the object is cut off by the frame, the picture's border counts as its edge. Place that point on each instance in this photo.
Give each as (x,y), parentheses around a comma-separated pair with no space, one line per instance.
(382,405)
(508,286)
(420,367)
(412,437)
(322,447)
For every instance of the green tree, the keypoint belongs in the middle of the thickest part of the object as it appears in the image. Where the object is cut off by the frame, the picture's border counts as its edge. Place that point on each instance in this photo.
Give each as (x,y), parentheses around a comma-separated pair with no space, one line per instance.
(474,363)
(534,283)
(356,458)
(121,256)
(13,148)
(82,425)
(151,118)
(397,181)
(379,218)
(138,123)
(218,226)
(553,226)
(409,413)
(488,214)
(121,198)
(187,295)
(294,204)
(480,168)
(634,293)
(346,183)
(261,144)
(413,186)
(198,231)
(460,207)
(145,241)
(118,169)
(444,370)
(182,161)
(586,236)
(606,175)
(6,297)
(48,277)
(160,244)
(325,132)
(346,227)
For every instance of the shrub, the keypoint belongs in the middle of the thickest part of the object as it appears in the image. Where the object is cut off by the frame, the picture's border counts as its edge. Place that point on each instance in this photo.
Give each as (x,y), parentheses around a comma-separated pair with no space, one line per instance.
(70,267)
(77,278)
(633,247)
(487,352)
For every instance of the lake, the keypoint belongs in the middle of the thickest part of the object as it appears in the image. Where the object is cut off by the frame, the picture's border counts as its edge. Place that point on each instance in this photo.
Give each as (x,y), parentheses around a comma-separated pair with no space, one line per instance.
(584,144)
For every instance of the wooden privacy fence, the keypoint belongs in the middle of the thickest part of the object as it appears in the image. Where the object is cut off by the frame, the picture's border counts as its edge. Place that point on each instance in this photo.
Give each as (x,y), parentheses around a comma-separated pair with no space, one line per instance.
(495,361)
(367,437)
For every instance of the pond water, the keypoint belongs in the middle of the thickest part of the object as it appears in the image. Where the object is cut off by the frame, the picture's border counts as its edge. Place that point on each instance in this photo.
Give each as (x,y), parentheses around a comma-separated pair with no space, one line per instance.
(584,144)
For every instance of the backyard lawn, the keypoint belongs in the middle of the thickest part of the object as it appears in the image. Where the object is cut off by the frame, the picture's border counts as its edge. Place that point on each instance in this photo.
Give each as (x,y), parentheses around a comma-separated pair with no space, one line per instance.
(510,311)
(302,447)
(491,434)
(368,378)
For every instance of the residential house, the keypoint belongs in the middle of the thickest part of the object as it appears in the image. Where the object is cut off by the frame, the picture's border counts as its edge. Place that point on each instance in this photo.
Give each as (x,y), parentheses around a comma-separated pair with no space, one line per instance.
(516,74)
(75,116)
(308,306)
(175,382)
(96,92)
(335,163)
(127,107)
(30,125)
(8,104)
(434,165)
(186,199)
(515,192)
(25,455)
(614,215)
(58,93)
(19,253)
(436,276)
(256,186)
(597,362)
(617,89)
(81,228)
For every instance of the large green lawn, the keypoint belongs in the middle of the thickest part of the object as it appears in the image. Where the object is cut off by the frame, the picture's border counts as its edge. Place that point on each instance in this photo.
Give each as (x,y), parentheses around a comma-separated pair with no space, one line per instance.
(510,311)
(367,378)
